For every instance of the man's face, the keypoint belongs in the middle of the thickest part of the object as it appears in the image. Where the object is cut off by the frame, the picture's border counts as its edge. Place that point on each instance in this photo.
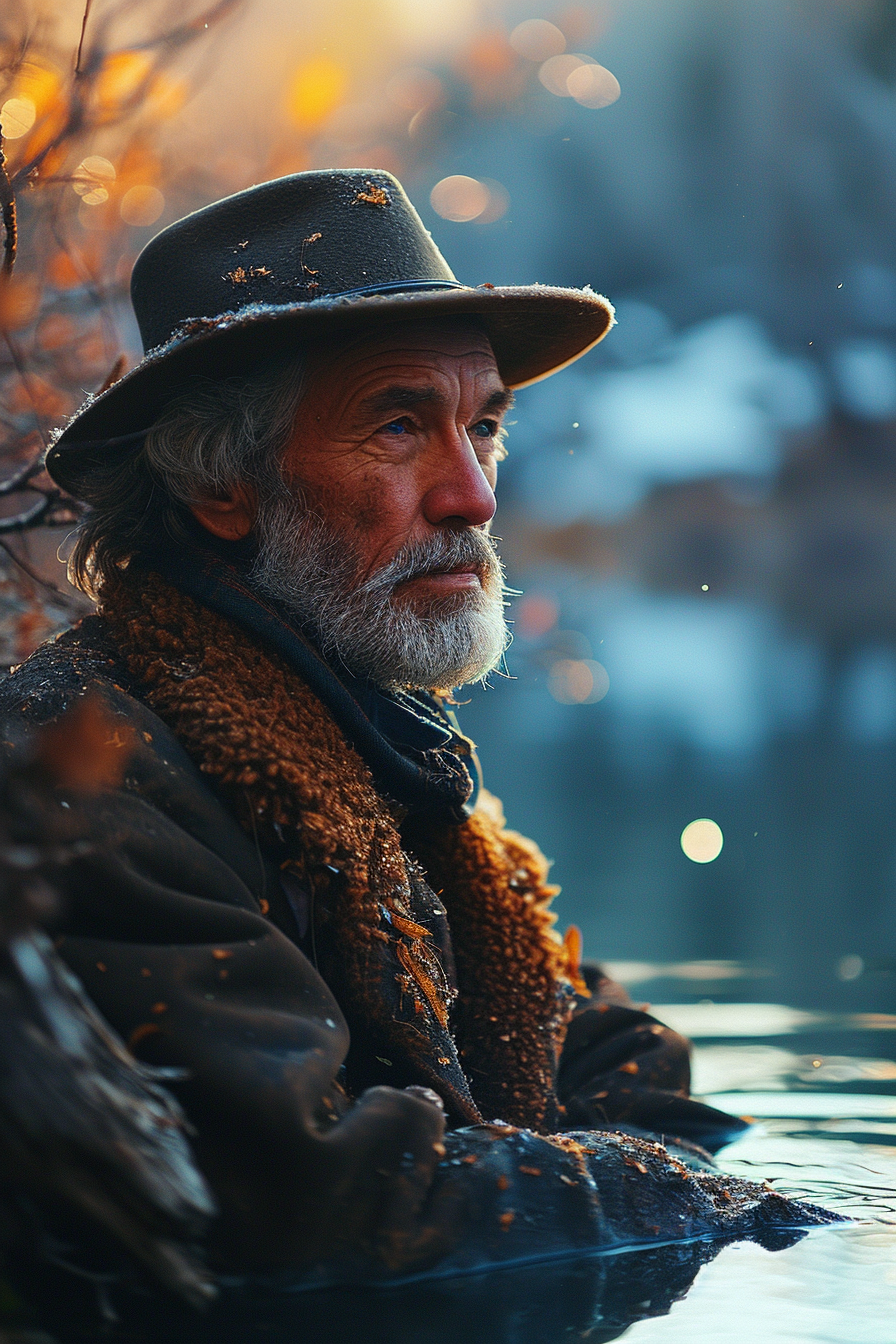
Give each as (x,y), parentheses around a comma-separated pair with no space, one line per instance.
(396,440)
(391,471)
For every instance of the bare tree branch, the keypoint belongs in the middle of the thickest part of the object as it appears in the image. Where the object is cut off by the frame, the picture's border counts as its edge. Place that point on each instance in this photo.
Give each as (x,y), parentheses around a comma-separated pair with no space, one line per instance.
(20,522)
(21,478)
(59,319)
(69,600)
(81,39)
(8,208)
(22,371)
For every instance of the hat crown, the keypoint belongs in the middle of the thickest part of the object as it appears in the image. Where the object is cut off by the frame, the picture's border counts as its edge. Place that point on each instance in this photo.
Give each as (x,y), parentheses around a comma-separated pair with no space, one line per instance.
(309,236)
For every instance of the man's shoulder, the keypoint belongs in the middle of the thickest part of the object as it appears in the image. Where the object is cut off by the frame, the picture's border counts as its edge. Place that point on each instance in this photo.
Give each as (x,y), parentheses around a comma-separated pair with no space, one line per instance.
(85,661)
(81,659)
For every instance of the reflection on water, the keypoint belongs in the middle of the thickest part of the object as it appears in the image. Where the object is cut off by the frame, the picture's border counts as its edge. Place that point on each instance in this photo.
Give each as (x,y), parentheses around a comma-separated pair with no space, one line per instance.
(708,1020)
(716,709)
(838,1285)
(831,1169)
(597,1299)
(744,1068)
(832,1287)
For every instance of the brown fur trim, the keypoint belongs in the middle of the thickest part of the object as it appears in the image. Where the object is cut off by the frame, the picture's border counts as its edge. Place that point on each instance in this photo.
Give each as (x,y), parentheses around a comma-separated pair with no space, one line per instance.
(510,1017)
(275,752)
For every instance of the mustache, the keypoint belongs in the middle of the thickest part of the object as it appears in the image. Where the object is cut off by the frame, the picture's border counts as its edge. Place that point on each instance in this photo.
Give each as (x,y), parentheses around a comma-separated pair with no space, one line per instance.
(438,555)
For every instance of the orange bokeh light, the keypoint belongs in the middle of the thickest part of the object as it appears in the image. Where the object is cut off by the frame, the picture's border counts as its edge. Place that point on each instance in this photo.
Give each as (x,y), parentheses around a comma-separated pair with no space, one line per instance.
(578,681)
(141,206)
(19,301)
(316,90)
(536,615)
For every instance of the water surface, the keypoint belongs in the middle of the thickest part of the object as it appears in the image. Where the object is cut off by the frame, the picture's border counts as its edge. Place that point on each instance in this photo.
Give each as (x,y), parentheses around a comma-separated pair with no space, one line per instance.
(822,1088)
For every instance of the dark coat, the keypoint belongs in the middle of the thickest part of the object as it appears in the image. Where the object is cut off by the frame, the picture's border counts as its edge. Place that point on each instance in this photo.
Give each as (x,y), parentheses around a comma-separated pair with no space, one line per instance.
(184,932)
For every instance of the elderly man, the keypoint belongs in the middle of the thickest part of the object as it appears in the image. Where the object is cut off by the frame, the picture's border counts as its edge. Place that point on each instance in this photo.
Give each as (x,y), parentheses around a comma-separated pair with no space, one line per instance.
(295,895)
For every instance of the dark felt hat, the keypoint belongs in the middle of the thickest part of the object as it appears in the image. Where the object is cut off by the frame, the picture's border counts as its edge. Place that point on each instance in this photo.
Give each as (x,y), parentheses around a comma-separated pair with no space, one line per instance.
(289,262)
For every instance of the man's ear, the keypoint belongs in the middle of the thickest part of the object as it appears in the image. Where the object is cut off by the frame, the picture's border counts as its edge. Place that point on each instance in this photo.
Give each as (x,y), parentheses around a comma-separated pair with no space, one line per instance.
(231,516)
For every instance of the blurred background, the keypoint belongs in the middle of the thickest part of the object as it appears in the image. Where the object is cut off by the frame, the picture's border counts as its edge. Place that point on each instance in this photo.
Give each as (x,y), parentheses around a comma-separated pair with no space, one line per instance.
(700,515)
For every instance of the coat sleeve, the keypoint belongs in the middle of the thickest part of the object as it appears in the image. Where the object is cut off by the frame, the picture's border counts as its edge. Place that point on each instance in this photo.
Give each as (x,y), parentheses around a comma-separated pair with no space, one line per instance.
(621,1066)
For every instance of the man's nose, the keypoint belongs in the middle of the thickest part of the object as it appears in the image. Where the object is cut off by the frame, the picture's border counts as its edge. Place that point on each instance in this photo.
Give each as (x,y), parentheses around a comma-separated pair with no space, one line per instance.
(460,492)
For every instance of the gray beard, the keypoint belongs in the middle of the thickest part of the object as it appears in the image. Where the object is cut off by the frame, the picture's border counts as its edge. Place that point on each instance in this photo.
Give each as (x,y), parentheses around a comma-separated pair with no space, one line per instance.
(311,568)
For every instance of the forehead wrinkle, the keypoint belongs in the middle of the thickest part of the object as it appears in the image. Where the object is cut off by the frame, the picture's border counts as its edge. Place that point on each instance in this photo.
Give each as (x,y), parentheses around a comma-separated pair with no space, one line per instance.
(400,396)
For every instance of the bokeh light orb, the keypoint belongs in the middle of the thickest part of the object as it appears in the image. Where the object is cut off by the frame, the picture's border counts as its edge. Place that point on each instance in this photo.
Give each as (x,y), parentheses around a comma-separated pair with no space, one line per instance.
(702,840)
(536,614)
(850,967)
(141,206)
(578,681)
(92,178)
(498,201)
(19,302)
(460,198)
(318,87)
(17,116)
(537,40)
(593,86)
(554,74)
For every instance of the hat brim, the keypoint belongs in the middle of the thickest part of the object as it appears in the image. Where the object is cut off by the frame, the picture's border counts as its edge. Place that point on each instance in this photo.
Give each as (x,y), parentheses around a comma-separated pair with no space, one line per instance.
(534,330)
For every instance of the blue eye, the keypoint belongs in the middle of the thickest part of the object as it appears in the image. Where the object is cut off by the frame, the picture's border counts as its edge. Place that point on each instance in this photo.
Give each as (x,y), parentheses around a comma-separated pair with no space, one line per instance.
(396,427)
(486,429)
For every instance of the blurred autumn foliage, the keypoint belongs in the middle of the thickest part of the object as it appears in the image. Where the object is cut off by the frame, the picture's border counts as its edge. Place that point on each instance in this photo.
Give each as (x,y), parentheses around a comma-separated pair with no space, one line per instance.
(79,170)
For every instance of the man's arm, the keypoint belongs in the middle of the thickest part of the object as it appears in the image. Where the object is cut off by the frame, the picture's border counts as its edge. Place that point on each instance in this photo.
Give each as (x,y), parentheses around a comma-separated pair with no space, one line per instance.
(621,1066)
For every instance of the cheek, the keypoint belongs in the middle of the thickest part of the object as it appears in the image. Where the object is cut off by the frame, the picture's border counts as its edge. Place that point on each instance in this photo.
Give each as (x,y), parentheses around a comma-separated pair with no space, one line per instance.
(360,514)
(367,511)
(351,504)
(373,503)
(378,507)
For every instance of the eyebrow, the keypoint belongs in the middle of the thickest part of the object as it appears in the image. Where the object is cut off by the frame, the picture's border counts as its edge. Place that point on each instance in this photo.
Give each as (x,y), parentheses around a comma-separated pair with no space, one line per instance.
(405,398)
(500,401)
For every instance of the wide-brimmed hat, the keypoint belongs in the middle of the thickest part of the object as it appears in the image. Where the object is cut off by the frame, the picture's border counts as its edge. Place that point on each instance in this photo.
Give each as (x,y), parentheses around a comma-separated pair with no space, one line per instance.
(286,264)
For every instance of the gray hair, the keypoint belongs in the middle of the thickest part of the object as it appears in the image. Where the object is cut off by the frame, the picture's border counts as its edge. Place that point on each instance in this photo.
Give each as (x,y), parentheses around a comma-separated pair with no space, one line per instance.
(216,435)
